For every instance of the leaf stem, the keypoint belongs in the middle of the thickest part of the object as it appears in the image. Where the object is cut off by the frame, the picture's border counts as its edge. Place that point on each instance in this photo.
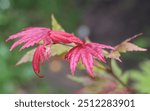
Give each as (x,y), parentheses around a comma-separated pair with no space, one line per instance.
(67,45)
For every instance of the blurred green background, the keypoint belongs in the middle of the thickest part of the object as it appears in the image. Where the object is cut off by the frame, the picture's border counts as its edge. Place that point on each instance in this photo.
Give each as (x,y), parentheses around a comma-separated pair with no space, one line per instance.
(106,21)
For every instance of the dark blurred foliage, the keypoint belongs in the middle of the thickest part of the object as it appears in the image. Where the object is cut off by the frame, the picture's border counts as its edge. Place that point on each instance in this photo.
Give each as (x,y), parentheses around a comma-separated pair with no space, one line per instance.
(112,21)
(109,21)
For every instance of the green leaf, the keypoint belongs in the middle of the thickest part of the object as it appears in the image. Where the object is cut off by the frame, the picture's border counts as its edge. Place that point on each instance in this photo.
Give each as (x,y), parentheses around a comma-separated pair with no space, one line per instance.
(4,51)
(58,49)
(55,25)
(27,57)
(86,80)
(77,79)
(142,77)
(115,67)
(118,72)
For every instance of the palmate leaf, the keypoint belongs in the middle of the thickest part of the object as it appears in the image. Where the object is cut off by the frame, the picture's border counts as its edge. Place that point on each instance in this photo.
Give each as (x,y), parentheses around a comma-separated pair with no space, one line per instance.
(56,49)
(43,38)
(124,47)
(86,52)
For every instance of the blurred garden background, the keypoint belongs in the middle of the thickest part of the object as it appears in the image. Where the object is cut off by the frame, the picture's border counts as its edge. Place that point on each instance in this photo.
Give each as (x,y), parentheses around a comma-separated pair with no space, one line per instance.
(103,21)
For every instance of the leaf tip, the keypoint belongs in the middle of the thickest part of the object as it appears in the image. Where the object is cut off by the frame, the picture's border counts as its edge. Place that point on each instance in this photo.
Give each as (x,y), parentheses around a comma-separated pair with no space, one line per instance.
(38,74)
(145,49)
(17,64)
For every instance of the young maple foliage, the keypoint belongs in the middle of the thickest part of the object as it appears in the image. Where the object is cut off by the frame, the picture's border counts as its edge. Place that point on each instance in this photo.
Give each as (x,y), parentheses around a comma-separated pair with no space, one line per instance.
(63,37)
(33,35)
(43,37)
(86,52)
(40,55)
(30,37)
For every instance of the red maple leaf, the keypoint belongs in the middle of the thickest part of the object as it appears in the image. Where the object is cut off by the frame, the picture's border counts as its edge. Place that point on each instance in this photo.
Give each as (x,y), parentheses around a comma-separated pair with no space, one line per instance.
(33,35)
(41,54)
(30,37)
(86,52)
(63,37)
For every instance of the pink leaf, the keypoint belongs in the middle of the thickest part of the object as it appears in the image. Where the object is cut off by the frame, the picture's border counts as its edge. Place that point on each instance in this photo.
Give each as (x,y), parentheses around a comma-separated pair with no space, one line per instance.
(40,55)
(44,37)
(31,36)
(87,60)
(74,59)
(86,52)
(34,35)
(64,37)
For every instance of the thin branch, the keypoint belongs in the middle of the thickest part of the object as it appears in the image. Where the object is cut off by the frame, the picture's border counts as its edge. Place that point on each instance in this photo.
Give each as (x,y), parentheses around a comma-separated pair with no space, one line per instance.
(108,69)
